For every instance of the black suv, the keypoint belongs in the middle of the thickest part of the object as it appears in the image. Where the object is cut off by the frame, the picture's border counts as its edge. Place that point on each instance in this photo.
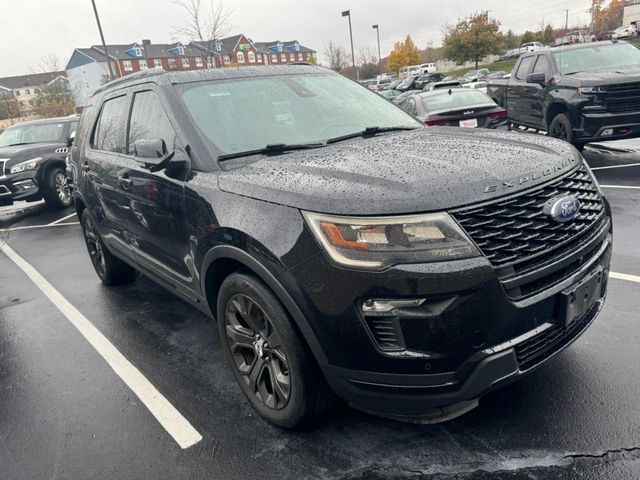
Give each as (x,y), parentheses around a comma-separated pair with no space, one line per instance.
(343,247)
(32,161)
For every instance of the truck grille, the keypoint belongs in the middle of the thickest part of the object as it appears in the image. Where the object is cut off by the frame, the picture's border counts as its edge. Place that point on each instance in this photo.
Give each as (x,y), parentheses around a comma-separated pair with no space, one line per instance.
(623,97)
(2,164)
(520,240)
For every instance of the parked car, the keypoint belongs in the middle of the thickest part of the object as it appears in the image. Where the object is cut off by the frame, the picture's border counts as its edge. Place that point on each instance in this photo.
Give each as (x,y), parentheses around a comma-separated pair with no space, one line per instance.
(32,161)
(530,47)
(404,95)
(392,85)
(438,85)
(455,108)
(494,76)
(390,94)
(475,75)
(578,93)
(480,86)
(288,204)
(408,83)
(578,36)
(422,80)
(626,31)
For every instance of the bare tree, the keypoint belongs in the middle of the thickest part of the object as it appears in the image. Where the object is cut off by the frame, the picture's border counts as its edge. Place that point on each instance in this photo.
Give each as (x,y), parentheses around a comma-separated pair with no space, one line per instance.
(337,55)
(367,61)
(48,63)
(206,22)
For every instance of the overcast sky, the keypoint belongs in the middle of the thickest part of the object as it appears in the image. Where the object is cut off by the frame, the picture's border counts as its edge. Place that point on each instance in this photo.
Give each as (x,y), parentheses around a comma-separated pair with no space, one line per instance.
(30,29)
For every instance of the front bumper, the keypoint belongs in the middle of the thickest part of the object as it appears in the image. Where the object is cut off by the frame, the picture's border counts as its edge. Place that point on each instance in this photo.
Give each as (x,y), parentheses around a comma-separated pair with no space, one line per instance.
(601,126)
(468,338)
(19,186)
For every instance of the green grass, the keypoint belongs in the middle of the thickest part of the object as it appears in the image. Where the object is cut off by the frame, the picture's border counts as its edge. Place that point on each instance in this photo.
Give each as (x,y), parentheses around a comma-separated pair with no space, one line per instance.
(635,41)
(504,65)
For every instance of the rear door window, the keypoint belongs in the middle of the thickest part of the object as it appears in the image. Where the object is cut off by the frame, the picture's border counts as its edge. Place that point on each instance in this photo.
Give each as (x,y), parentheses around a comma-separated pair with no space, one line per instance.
(109,132)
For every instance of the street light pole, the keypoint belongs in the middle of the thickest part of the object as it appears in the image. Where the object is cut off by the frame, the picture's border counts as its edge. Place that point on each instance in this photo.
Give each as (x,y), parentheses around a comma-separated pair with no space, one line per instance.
(104,45)
(347,13)
(377,29)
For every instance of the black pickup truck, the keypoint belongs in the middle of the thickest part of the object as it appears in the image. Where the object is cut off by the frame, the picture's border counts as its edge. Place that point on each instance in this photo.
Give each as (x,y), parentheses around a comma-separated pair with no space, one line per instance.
(578,93)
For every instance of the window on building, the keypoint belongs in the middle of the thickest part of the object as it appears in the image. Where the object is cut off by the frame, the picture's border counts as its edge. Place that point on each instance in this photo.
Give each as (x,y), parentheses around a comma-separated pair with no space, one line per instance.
(251,56)
(307,56)
(299,57)
(296,46)
(127,65)
(259,58)
(292,57)
(143,64)
(218,46)
(138,51)
(274,58)
(27,91)
(149,121)
(108,134)
(240,57)
(157,62)
(210,62)
(226,58)
(181,50)
(172,63)
(283,57)
(199,63)
(17,93)
(185,62)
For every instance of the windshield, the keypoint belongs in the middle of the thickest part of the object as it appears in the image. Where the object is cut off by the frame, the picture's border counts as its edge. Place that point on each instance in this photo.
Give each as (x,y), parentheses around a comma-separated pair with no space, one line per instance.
(244,114)
(457,99)
(406,82)
(35,133)
(597,57)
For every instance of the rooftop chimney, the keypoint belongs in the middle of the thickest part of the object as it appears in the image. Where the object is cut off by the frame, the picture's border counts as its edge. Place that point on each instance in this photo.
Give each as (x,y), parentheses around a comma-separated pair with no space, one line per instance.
(146,42)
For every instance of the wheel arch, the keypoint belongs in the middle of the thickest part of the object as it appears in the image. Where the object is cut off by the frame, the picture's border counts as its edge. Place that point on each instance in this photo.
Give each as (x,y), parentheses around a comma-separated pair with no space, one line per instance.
(223,260)
(555,109)
(47,165)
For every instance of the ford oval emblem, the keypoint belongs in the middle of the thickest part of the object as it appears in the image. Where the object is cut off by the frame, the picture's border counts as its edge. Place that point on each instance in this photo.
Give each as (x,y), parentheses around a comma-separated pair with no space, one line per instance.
(562,209)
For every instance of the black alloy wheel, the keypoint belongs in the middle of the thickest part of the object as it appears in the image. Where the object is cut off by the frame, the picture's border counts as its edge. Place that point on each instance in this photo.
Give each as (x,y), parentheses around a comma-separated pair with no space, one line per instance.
(94,246)
(257,351)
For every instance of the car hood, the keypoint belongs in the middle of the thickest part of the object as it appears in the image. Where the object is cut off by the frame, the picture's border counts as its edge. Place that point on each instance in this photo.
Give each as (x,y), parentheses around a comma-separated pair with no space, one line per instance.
(408,172)
(608,77)
(19,153)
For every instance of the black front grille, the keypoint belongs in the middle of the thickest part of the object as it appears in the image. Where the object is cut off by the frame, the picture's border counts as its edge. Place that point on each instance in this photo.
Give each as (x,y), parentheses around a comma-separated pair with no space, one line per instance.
(633,106)
(515,230)
(541,346)
(520,239)
(623,97)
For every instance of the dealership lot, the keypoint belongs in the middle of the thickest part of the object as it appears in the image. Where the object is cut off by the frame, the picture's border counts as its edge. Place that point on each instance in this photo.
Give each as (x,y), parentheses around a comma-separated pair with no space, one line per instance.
(69,410)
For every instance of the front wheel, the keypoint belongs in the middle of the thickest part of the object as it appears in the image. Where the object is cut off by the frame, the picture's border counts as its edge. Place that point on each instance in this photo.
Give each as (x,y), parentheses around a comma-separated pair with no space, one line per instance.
(269,360)
(56,191)
(561,128)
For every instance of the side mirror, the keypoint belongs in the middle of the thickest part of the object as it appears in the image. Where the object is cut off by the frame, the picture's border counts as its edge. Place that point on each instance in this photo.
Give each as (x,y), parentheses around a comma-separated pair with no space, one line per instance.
(539,78)
(152,154)
(71,138)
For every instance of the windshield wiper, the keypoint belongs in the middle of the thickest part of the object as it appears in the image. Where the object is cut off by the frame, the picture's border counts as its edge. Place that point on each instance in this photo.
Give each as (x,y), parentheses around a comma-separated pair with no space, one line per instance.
(20,143)
(369,131)
(275,148)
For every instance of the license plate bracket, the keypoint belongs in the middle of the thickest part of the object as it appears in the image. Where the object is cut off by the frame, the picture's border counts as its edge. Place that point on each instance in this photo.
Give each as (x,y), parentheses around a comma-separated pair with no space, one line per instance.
(469,123)
(578,299)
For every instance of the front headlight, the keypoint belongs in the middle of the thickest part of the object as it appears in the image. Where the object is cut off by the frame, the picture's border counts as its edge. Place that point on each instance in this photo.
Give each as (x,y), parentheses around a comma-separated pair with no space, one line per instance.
(379,242)
(26,165)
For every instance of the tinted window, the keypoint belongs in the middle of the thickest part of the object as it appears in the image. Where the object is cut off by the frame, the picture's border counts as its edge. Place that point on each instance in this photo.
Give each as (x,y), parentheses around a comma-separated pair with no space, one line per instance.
(525,68)
(149,121)
(108,135)
(597,57)
(34,133)
(542,66)
(409,106)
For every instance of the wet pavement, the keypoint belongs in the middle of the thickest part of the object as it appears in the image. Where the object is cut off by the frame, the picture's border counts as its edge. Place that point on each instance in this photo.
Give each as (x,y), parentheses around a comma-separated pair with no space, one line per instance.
(64,413)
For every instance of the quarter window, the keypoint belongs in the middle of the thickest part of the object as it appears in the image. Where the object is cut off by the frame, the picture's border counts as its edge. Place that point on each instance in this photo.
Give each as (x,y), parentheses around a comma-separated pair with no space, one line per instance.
(149,121)
(108,135)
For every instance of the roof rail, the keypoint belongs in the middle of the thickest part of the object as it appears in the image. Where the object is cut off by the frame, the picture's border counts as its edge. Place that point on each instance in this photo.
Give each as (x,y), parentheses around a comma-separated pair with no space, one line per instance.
(148,73)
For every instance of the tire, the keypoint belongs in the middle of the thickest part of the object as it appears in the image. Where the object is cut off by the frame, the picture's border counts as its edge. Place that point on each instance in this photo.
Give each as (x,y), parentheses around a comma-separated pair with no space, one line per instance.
(561,128)
(110,269)
(249,318)
(55,189)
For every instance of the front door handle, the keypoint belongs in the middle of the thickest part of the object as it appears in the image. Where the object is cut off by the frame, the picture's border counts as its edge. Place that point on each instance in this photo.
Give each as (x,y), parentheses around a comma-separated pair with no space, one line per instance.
(125,182)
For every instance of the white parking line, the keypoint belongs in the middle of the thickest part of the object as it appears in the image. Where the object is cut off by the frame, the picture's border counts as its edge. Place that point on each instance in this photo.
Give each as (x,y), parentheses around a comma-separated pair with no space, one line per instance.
(171,419)
(31,227)
(625,276)
(616,166)
(62,219)
(621,186)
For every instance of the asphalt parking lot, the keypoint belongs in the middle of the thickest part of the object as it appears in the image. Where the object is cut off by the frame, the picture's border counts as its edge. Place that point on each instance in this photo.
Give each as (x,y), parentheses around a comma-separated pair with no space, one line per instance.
(68,407)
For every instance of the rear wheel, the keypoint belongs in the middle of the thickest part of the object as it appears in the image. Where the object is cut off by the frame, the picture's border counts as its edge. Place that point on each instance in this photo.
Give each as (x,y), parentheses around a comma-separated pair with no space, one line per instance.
(561,128)
(110,269)
(56,192)
(269,360)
